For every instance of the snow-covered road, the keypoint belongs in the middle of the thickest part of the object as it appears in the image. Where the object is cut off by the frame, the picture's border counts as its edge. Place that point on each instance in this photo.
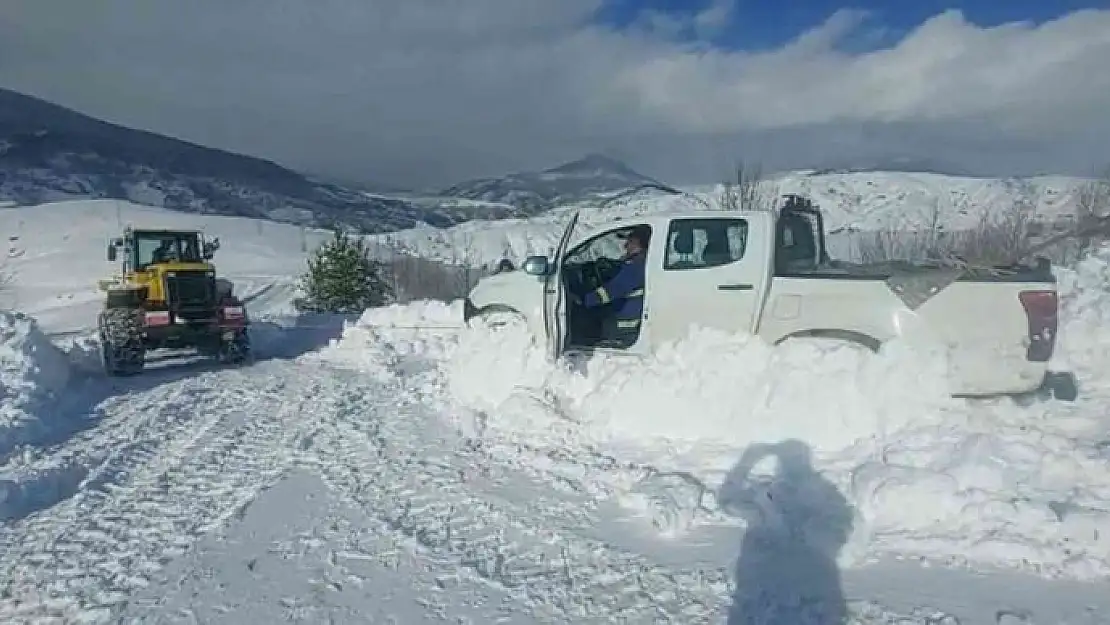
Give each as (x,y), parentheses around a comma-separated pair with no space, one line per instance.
(160,467)
(167,464)
(454,528)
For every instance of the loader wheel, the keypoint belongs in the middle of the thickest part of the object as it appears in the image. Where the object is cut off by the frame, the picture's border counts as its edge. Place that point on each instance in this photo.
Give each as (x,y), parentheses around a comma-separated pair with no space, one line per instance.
(121,341)
(235,351)
(1062,385)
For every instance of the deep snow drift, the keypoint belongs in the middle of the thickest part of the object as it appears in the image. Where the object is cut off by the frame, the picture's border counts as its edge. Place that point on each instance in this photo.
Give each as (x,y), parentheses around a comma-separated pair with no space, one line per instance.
(987,483)
(32,372)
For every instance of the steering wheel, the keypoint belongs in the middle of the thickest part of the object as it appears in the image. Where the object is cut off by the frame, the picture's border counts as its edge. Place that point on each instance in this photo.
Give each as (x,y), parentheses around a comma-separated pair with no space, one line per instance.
(604,269)
(590,275)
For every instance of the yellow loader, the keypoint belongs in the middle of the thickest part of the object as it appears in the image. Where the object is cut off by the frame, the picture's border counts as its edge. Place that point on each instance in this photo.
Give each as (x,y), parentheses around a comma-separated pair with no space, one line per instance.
(167,296)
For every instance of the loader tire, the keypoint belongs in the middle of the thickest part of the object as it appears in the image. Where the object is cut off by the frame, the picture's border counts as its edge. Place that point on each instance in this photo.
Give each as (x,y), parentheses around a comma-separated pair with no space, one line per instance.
(121,341)
(236,351)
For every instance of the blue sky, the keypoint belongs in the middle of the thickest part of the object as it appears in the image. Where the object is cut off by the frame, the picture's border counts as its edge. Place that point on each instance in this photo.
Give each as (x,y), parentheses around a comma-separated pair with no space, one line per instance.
(764,24)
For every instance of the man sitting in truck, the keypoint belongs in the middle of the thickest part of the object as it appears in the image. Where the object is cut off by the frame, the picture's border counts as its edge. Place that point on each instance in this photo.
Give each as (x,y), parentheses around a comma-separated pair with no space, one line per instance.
(624,293)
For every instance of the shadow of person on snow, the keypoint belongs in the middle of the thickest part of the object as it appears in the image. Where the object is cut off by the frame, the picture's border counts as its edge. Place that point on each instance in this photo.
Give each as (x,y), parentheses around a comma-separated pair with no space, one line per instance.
(797,522)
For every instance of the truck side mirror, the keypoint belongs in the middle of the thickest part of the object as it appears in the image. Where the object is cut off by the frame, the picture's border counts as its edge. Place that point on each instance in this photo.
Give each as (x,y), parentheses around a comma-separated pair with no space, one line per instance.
(536,266)
(210,248)
(111,253)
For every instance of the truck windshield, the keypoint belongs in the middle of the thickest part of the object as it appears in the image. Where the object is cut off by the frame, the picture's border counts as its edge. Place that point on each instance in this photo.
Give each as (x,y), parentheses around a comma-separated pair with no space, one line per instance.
(161,247)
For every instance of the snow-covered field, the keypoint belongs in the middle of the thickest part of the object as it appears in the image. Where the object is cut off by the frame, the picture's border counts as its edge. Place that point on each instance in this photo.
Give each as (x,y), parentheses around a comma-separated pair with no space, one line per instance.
(57,252)
(850,201)
(406,469)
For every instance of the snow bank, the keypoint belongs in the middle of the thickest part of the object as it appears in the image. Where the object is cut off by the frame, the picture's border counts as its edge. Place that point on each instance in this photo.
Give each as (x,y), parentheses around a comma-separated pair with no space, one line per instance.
(735,390)
(1084,339)
(984,482)
(385,339)
(926,475)
(32,372)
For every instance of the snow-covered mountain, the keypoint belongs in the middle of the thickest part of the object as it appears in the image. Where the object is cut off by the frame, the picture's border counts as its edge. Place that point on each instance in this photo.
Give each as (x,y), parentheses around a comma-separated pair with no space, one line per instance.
(51,153)
(536,191)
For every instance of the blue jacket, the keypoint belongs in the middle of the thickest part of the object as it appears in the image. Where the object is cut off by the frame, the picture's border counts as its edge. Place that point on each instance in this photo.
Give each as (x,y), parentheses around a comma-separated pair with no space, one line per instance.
(625,291)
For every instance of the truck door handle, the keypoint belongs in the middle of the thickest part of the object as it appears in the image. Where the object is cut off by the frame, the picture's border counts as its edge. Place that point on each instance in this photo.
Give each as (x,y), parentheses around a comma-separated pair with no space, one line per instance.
(734,287)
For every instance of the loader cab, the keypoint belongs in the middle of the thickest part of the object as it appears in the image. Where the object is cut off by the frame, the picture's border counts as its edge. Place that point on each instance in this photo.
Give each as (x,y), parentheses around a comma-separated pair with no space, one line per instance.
(143,248)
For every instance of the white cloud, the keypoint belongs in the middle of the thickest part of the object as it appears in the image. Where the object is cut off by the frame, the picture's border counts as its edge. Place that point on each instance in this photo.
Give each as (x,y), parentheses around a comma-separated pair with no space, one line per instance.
(946,69)
(424,91)
(714,18)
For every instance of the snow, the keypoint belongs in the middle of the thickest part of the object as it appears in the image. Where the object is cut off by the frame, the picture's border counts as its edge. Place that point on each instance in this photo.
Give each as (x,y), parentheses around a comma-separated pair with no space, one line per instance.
(404,468)
(58,253)
(993,483)
(32,372)
(850,201)
(483,243)
(367,345)
(982,483)
(735,384)
(1084,341)
(363,573)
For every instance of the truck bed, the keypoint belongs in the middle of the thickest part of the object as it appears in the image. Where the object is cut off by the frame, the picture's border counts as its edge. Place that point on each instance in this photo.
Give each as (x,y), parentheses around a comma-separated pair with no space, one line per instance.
(906,271)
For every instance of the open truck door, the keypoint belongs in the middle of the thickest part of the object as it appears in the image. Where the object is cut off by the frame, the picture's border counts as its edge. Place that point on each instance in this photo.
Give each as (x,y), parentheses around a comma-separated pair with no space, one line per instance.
(555,296)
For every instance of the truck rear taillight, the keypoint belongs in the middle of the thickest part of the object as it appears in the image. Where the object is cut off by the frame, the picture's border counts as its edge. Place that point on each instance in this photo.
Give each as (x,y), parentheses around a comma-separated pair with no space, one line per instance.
(1041,312)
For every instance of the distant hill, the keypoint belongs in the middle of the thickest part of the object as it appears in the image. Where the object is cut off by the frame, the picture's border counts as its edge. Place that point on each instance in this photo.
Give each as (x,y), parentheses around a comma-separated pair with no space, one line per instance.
(536,191)
(50,153)
(900,164)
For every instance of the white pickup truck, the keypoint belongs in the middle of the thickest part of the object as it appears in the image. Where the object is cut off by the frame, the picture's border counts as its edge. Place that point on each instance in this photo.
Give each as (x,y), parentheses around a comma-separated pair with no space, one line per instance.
(768,274)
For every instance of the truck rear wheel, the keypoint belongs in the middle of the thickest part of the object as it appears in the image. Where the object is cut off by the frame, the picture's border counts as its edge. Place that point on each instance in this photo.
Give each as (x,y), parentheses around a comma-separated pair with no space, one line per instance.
(826,340)
(122,350)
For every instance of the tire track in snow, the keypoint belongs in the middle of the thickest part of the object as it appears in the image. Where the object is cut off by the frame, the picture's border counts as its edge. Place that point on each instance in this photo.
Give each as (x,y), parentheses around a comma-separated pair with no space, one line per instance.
(121,438)
(218,441)
(508,530)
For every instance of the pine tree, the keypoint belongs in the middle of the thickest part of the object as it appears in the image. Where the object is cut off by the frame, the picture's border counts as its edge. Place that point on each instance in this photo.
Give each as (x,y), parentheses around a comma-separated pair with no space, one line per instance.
(342,278)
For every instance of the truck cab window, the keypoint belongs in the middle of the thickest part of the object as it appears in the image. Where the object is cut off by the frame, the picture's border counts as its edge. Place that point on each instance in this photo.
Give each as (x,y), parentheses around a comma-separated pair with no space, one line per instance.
(157,248)
(702,243)
(609,246)
(796,247)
